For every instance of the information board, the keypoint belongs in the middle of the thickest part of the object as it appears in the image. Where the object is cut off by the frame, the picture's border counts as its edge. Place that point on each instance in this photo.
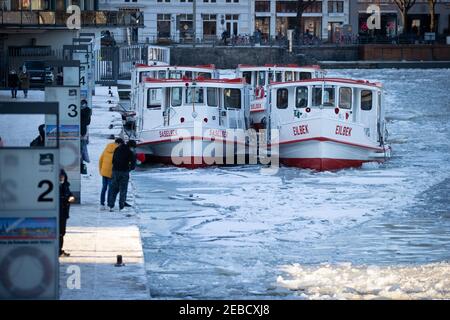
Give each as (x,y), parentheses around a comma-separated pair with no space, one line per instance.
(29,212)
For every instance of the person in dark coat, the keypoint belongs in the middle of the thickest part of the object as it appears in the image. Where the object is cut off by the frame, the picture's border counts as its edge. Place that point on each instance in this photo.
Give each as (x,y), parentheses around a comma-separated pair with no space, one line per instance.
(24,78)
(39,141)
(124,160)
(13,82)
(65,199)
(85,121)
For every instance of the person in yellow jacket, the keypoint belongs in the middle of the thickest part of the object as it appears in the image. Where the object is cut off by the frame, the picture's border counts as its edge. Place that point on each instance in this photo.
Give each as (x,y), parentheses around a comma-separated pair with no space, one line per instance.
(105,168)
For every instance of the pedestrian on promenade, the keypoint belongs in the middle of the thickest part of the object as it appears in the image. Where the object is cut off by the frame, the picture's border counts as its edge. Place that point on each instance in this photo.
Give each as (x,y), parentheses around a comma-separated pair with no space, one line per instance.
(124,160)
(85,121)
(13,82)
(24,78)
(105,167)
(39,141)
(65,199)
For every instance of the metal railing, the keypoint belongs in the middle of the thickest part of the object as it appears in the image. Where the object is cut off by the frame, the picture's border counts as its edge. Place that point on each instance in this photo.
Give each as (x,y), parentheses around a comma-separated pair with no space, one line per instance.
(27,18)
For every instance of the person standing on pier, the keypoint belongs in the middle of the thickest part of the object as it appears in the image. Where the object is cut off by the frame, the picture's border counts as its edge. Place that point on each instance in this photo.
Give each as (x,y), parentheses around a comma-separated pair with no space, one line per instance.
(13,82)
(65,199)
(24,78)
(105,166)
(124,160)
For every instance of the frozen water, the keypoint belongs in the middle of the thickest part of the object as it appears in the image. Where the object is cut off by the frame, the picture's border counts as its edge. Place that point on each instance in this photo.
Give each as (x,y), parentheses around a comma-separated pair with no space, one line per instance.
(233,233)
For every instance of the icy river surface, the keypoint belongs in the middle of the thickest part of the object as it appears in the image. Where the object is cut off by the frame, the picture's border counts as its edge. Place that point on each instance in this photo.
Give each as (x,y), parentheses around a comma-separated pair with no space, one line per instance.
(232,232)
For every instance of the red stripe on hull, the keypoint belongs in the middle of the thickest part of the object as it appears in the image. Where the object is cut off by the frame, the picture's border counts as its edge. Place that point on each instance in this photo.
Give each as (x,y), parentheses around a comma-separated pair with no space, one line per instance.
(322,164)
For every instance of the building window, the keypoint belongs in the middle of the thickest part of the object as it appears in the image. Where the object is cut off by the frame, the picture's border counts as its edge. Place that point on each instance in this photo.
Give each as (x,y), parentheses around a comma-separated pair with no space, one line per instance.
(209,25)
(185,26)
(163,25)
(262,6)
(335,6)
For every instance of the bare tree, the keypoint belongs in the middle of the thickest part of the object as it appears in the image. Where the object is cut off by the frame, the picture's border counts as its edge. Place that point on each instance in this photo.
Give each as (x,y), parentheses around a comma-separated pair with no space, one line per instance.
(432,11)
(302,5)
(404,6)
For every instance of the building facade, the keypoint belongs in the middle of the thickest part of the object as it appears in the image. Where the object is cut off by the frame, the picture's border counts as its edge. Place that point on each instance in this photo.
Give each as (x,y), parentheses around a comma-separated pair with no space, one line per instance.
(174,19)
(417,22)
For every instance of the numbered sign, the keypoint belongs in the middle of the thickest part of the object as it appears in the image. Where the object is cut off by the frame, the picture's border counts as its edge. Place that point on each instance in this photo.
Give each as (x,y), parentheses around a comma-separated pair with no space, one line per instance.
(29,213)
(69,132)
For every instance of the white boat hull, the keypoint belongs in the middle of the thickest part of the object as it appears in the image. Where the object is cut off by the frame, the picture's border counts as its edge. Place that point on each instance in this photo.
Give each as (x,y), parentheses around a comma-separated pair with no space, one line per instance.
(320,144)
(183,147)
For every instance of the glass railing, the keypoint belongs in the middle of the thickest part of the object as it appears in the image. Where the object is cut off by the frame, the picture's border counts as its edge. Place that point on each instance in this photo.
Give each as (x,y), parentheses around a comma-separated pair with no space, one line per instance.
(59,18)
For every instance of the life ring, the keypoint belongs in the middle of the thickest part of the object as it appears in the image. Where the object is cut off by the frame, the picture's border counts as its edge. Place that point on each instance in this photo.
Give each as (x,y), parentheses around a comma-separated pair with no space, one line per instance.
(5,269)
(259,93)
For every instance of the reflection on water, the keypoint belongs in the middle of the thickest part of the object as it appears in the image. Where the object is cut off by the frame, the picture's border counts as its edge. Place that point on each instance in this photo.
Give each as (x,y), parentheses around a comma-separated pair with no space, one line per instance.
(226,232)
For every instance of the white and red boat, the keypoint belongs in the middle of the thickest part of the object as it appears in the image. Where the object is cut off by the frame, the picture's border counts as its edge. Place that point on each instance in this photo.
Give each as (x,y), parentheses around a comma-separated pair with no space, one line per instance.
(328,124)
(259,77)
(193,122)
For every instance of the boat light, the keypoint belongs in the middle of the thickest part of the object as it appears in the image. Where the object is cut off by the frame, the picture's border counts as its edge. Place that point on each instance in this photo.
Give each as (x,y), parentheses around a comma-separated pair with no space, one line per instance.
(346,116)
(206,120)
(182,119)
(336,110)
(308,109)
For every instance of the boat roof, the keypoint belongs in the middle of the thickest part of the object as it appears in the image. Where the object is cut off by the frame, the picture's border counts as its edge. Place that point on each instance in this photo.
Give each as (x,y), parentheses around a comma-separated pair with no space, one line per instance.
(289,67)
(236,82)
(205,67)
(364,83)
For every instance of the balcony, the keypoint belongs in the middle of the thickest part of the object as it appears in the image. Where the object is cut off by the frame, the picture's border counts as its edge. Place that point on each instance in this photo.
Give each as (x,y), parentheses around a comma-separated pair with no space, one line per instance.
(57,19)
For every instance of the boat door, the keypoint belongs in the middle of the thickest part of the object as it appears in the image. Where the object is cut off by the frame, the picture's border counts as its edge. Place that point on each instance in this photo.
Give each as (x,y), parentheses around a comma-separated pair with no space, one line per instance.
(368,111)
(287,104)
(231,112)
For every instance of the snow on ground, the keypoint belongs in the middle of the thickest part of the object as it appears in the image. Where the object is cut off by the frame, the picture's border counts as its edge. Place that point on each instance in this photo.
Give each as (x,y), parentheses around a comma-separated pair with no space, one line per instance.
(94,238)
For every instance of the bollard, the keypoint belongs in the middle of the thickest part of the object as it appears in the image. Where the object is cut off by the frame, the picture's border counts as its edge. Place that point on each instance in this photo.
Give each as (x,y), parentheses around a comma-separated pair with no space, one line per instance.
(119,262)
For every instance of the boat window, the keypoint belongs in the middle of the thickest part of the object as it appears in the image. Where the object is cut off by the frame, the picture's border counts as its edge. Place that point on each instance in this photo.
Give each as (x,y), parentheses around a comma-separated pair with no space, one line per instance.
(204,75)
(261,78)
(143,75)
(282,98)
(366,100)
(270,76)
(176,96)
(247,75)
(188,74)
(305,75)
(161,74)
(175,74)
(317,96)
(153,100)
(345,98)
(194,95)
(278,76)
(212,97)
(289,76)
(232,98)
(328,97)
(301,100)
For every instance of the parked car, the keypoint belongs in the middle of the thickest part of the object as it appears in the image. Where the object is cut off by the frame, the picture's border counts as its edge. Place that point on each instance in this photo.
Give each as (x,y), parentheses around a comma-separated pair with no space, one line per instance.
(40,73)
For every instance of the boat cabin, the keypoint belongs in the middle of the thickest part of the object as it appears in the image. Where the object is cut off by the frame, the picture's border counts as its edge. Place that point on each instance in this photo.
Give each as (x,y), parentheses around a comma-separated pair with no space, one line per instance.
(261,76)
(217,103)
(354,101)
